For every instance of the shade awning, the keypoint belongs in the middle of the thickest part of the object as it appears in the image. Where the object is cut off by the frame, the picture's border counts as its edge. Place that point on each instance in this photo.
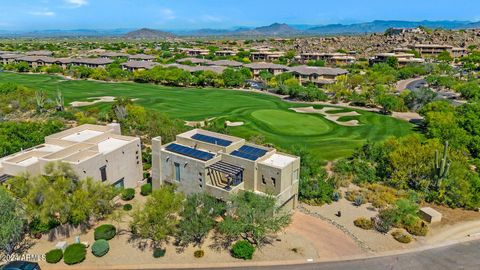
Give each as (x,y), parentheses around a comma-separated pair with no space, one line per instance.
(226,168)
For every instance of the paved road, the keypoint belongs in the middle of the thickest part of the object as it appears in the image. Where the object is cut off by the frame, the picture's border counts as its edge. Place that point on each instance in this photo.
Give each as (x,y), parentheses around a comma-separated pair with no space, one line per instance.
(418,84)
(458,256)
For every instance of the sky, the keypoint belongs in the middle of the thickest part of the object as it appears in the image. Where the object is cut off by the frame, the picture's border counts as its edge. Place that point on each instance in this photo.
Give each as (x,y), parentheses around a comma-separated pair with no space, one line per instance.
(220,14)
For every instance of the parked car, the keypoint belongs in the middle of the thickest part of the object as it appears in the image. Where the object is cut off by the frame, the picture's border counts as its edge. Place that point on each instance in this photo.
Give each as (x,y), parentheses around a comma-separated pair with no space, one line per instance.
(20,265)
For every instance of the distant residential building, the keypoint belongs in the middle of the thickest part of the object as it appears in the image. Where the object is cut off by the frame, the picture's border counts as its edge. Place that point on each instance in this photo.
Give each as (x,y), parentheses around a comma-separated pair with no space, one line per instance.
(92,62)
(221,165)
(138,65)
(142,57)
(9,58)
(433,50)
(100,152)
(227,63)
(39,53)
(224,53)
(402,58)
(330,58)
(316,75)
(195,52)
(258,67)
(113,55)
(266,56)
(195,61)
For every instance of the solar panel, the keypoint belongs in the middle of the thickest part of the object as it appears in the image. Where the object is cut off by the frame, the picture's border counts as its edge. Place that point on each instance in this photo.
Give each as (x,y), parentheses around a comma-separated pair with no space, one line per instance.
(212,140)
(252,150)
(189,152)
(244,155)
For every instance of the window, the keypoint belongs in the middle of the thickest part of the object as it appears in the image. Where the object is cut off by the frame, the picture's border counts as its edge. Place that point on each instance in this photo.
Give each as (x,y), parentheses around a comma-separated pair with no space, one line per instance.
(274,182)
(120,184)
(177,171)
(103,173)
(263,180)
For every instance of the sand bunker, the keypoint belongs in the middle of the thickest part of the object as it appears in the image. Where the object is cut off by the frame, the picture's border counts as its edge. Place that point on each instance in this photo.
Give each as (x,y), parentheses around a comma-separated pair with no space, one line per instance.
(330,116)
(95,100)
(233,124)
(198,123)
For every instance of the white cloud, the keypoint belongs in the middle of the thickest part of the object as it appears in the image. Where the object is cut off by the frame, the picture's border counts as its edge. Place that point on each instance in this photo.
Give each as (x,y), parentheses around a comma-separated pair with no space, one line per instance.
(210,18)
(167,14)
(77,3)
(42,13)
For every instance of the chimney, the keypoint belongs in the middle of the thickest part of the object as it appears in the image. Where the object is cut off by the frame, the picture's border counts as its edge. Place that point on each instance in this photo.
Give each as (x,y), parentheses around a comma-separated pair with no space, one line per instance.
(156,162)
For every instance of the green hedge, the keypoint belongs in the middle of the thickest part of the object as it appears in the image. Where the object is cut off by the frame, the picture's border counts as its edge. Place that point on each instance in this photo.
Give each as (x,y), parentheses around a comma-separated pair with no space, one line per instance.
(127,207)
(146,189)
(159,252)
(74,254)
(100,248)
(105,231)
(243,250)
(128,194)
(54,255)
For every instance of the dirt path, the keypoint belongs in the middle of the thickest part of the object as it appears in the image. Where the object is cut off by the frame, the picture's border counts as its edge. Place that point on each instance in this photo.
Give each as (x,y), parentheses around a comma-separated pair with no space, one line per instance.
(402,85)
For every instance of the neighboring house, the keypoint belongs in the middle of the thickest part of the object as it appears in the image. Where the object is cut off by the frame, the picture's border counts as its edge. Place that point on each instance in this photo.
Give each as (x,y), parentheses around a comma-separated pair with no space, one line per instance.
(227,63)
(92,62)
(39,53)
(274,69)
(332,58)
(36,61)
(317,75)
(194,52)
(433,50)
(221,165)
(100,152)
(9,58)
(113,55)
(195,61)
(224,53)
(402,58)
(266,56)
(142,57)
(138,65)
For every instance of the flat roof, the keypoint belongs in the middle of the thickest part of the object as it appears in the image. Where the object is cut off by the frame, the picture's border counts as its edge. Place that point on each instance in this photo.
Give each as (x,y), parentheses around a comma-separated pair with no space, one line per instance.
(110,144)
(29,161)
(49,148)
(278,160)
(82,136)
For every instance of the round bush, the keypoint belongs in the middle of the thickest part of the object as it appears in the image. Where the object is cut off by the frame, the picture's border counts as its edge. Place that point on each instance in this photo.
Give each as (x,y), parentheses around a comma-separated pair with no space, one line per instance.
(159,252)
(100,248)
(127,207)
(419,228)
(128,194)
(146,189)
(401,236)
(199,253)
(54,256)
(243,250)
(105,231)
(74,254)
(363,223)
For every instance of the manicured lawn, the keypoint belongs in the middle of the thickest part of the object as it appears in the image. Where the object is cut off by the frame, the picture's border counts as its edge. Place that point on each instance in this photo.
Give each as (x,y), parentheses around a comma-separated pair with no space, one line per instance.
(262,114)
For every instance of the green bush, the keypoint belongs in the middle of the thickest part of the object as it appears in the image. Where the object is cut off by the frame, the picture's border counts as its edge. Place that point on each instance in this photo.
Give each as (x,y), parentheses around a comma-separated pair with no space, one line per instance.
(127,207)
(336,196)
(54,256)
(243,250)
(74,254)
(159,252)
(199,253)
(146,189)
(100,248)
(363,223)
(418,228)
(106,231)
(128,194)
(401,236)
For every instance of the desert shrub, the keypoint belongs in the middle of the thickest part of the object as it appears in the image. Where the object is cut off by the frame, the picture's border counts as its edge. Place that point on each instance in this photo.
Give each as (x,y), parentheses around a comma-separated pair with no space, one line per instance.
(418,228)
(359,200)
(243,250)
(159,252)
(100,248)
(127,207)
(54,255)
(74,254)
(336,196)
(378,202)
(363,223)
(146,189)
(105,231)
(199,253)
(381,225)
(128,194)
(352,194)
(401,236)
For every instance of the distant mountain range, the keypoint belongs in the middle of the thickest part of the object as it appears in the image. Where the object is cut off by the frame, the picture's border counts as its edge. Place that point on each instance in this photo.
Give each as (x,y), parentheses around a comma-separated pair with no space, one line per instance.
(274,30)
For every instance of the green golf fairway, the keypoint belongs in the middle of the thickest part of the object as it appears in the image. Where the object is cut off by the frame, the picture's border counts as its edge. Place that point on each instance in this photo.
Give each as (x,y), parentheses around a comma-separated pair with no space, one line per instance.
(261,114)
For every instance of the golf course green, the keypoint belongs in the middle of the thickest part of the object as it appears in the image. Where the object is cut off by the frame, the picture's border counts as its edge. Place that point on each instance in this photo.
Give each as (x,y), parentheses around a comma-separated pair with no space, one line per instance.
(261,114)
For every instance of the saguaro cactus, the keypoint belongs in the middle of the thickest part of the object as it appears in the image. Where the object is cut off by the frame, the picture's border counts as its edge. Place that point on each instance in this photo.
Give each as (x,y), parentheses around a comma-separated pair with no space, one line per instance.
(441,167)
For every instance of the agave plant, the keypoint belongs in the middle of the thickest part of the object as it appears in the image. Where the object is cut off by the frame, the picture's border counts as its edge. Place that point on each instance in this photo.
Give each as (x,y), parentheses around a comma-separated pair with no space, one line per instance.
(41,99)
(59,101)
